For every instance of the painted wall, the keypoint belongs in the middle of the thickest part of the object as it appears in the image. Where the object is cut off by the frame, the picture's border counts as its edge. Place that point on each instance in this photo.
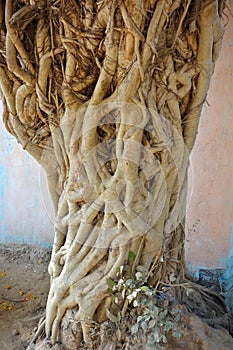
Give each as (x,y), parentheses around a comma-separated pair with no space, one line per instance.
(25,210)
(210,211)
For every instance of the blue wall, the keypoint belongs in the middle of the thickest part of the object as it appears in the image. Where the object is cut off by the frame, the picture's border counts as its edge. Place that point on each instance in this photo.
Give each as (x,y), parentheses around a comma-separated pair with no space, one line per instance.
(25,210)
(227,281)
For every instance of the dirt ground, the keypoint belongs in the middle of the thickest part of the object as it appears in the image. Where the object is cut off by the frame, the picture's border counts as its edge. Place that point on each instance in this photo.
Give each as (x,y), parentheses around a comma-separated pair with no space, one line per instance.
(24,284)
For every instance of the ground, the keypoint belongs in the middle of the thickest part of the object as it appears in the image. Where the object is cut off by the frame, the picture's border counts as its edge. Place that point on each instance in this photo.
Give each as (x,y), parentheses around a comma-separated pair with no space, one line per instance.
(24,285)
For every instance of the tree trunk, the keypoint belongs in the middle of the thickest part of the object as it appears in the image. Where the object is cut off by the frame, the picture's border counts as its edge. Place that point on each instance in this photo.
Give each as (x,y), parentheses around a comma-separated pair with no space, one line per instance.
(106,96)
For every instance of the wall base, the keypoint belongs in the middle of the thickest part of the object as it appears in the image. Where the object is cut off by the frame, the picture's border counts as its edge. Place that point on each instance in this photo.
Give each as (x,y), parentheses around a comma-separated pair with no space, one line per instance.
(220,280)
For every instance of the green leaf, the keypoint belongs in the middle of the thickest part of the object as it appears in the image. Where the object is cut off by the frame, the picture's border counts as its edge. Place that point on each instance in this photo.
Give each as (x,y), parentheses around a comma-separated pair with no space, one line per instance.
(129,283)
(138,276)
(163,314)
(163,339)
(144,325)
(168,326)
(177,334)
(110,282)
(140,318)
(144,288)
(152,323)
(132,256)
(118,316)
(147,317)
(151,344)
(134,328)
(172,277)
(156,336)
(155,311)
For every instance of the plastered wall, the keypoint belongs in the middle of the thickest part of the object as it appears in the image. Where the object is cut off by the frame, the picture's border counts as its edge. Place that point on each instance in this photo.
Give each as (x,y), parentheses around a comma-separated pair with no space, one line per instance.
(25,209)
(210,210)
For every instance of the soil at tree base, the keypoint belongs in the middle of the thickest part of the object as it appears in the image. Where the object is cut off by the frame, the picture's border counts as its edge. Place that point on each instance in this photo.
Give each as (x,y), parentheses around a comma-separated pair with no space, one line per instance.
(24,285)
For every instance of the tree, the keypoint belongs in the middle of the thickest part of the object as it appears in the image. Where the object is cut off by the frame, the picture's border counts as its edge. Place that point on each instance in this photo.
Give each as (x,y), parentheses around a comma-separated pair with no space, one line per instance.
(106,96)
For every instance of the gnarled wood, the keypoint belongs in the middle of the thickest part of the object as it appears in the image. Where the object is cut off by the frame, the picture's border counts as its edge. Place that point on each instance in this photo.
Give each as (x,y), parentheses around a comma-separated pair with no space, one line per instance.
(107,95)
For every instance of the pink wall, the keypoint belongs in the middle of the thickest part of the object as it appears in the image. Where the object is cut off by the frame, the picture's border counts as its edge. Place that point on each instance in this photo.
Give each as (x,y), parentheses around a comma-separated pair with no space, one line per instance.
(210,212)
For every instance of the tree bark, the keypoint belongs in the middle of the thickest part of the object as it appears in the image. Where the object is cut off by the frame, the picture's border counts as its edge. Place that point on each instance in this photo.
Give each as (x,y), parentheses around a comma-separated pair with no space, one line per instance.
(107,96)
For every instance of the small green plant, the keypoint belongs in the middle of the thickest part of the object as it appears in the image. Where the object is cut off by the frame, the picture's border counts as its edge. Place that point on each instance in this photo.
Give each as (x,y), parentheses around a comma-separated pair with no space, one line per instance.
(157,320)
(158,315)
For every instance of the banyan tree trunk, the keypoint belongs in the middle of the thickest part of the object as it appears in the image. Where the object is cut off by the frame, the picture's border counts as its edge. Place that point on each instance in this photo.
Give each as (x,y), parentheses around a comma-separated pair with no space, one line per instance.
(106,96)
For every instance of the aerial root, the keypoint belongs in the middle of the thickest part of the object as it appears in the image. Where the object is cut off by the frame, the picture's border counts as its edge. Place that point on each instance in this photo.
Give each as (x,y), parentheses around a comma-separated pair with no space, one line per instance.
(40,329)
(70,289)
